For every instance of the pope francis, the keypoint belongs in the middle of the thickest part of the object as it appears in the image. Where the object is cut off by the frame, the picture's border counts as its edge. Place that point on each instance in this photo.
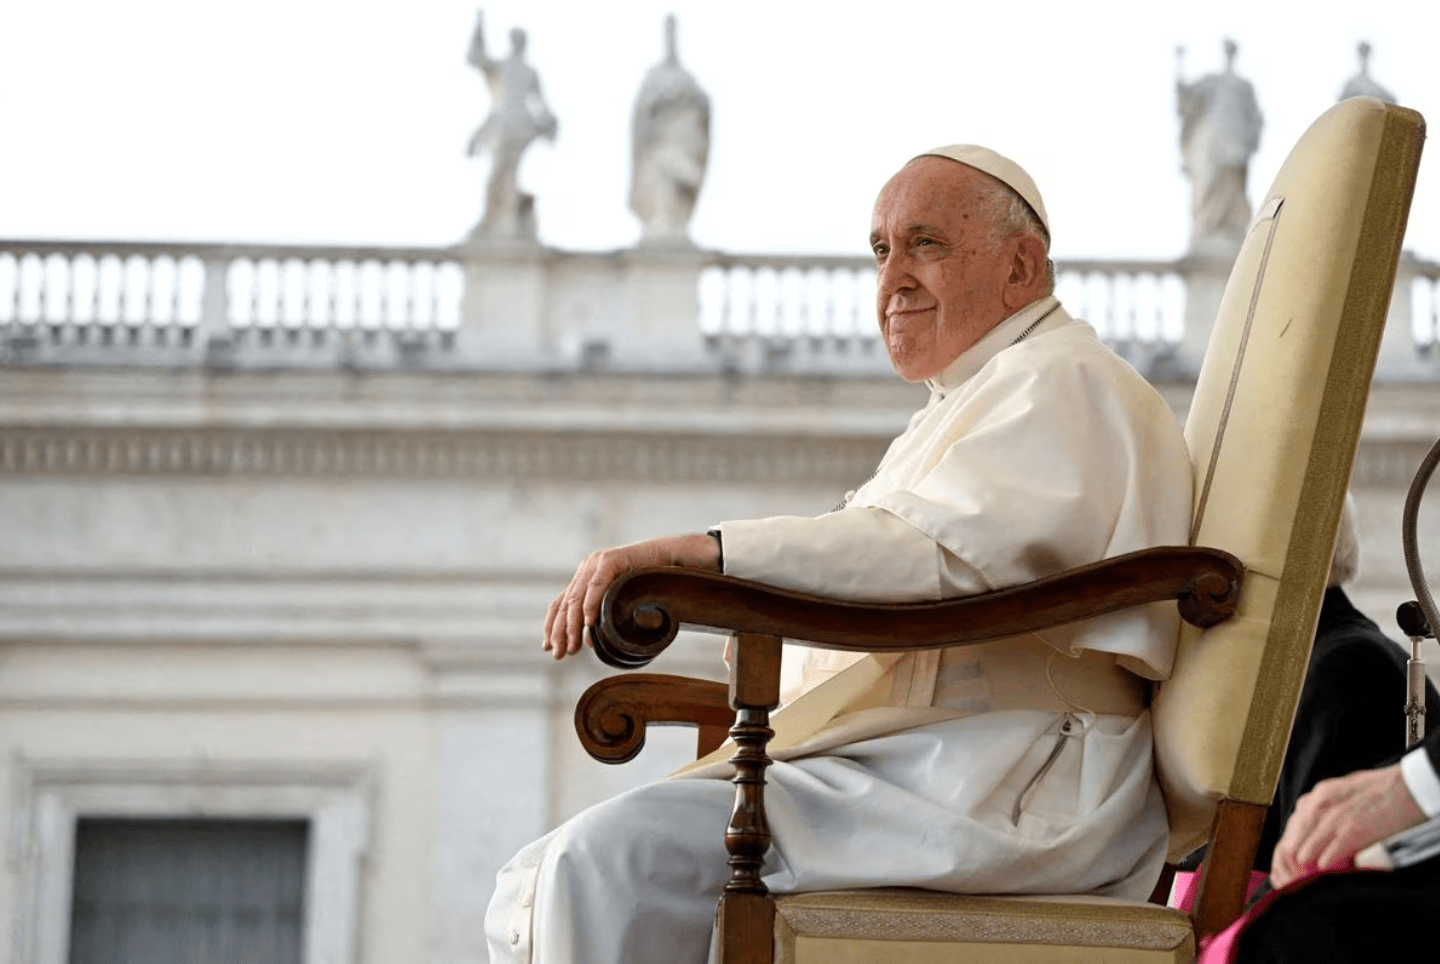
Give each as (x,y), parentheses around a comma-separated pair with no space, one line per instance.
(1016,766)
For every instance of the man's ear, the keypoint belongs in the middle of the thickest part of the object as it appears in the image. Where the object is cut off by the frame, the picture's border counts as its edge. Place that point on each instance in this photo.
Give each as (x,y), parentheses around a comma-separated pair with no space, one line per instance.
(1026,281)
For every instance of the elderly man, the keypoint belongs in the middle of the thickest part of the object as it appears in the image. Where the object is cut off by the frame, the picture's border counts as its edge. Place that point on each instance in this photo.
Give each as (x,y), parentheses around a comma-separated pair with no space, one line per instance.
(1017,766)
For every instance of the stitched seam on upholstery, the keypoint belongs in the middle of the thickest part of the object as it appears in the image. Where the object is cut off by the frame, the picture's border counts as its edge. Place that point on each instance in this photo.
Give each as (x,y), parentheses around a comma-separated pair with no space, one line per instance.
(1235,375)
(1367,298)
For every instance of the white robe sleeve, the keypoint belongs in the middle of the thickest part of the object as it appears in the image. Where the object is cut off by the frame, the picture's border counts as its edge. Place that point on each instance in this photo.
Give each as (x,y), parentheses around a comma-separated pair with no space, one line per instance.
(1055,455)
(856,554)
(1050,466)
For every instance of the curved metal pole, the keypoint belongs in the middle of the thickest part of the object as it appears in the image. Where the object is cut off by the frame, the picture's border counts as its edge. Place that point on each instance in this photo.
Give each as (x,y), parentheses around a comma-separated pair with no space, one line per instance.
(1416,625)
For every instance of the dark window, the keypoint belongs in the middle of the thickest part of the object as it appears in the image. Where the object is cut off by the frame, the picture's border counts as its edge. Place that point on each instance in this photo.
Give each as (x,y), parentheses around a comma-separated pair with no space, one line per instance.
(188,892)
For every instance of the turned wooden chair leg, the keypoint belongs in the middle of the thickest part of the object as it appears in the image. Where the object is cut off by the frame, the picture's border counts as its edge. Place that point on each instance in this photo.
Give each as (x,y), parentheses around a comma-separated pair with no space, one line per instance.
(745,919)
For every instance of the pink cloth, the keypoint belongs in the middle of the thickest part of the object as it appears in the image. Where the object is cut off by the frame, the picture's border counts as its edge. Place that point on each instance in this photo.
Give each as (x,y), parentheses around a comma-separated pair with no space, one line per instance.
(1182,892)
(1218,948)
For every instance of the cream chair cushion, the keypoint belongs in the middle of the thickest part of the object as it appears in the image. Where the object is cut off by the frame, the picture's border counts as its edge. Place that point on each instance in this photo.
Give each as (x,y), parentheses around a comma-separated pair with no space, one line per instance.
(1272,430)
(897,926)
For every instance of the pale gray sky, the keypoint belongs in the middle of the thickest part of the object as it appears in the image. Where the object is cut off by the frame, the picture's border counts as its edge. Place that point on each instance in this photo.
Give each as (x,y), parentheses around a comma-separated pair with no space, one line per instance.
(346,120)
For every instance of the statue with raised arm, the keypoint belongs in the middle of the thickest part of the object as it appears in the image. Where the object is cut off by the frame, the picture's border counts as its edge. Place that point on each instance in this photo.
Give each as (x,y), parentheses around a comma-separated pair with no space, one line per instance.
(518,115)
(1220,126)
(1362,84)
(670,142)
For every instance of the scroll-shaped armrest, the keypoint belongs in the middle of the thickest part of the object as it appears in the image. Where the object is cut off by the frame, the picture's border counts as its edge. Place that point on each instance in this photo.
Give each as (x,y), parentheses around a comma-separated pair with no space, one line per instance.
(643,610)
(612,715)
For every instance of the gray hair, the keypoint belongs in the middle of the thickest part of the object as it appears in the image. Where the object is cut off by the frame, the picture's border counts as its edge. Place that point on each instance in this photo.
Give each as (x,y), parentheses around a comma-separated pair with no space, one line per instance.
(1346,561)
(1011,216)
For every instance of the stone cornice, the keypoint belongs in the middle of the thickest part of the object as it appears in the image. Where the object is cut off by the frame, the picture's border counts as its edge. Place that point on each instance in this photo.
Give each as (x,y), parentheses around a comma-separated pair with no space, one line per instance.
(513,401)
(490,456)
(515,427)
(841,460)
(1388,462)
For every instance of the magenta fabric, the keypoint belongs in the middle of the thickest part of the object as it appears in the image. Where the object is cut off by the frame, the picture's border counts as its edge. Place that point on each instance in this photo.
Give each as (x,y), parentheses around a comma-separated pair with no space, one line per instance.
(1182,892)
(1220,948)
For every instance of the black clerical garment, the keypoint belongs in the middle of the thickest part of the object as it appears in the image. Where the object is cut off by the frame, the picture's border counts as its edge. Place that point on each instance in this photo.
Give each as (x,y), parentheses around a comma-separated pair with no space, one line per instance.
(1351,717)
(1351,714)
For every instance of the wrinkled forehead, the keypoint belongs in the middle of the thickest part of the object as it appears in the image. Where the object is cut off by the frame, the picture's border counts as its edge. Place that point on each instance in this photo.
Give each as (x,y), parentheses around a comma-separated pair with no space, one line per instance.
(996,167)
(929,181)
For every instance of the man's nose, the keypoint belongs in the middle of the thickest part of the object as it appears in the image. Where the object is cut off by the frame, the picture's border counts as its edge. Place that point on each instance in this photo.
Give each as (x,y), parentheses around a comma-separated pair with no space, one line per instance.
(892,275)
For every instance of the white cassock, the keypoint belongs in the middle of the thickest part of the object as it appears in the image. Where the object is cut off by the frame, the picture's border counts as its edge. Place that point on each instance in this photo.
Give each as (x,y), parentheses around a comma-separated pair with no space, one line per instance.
(1022,765)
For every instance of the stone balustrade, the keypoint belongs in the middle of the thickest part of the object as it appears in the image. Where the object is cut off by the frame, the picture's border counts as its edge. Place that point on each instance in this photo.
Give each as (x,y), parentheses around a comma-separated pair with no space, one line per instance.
(788,298)
(1424,305)
(1136,306)
(78,301)
(73,302)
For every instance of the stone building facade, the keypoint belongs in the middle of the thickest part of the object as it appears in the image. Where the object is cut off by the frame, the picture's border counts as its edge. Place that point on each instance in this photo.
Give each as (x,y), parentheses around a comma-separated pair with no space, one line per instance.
(281,527)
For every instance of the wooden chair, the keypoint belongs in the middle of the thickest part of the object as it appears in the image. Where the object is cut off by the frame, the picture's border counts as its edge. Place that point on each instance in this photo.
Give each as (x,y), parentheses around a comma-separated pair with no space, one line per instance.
(1272,431)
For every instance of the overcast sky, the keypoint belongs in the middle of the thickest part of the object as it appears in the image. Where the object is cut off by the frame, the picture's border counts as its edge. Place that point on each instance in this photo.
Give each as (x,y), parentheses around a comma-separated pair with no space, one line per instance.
(346,120)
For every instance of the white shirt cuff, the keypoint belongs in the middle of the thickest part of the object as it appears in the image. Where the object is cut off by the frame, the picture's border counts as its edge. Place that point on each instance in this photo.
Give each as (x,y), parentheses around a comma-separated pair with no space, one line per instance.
(1421,781)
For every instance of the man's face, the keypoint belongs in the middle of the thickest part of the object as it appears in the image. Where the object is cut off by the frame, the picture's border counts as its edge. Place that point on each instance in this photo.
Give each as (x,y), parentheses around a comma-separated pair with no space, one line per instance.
(941,277)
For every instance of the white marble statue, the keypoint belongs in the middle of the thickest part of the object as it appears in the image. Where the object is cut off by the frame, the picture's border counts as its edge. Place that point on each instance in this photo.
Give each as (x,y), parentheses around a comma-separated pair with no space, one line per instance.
(1362,84)
(518,115)
(1220,126)
(670,140)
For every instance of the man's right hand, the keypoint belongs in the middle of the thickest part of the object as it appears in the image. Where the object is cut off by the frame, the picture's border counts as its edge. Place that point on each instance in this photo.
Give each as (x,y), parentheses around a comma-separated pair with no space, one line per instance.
(1341,817)
(575,610)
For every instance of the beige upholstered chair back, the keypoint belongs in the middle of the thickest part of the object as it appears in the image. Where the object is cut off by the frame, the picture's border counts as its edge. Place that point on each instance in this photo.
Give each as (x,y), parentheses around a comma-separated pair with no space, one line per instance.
(1274,425)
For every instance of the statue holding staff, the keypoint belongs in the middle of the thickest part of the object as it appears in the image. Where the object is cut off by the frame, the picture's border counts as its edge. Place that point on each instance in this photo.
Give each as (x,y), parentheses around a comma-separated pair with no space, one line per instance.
(518,116)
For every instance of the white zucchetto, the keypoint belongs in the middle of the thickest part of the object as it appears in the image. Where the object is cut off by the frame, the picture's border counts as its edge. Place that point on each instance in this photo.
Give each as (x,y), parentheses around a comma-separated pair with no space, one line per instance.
(1001,168)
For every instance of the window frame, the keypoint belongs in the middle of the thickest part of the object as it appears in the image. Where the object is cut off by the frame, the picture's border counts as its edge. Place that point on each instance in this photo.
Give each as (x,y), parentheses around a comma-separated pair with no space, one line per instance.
(49,797)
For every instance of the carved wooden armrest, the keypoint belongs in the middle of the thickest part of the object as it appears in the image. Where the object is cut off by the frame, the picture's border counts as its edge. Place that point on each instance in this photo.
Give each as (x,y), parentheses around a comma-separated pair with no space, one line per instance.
(612,715)
(644,609)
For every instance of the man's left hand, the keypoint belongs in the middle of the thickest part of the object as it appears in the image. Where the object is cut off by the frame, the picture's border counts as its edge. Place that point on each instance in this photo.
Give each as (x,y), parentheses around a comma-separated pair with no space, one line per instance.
(577,608)
(1341,817)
